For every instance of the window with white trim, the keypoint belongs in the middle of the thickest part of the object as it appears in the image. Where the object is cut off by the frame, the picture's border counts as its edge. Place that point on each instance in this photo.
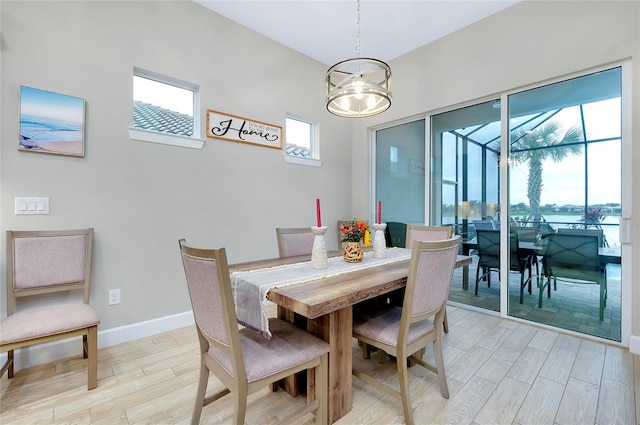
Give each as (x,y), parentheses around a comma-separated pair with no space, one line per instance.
(163,110)
(301,146)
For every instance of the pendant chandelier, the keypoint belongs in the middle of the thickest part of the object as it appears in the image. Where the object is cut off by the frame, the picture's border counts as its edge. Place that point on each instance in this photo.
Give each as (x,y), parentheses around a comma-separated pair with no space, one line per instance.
(358,87)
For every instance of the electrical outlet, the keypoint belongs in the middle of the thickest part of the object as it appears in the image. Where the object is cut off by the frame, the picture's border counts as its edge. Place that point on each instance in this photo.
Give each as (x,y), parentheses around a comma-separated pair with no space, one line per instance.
(114,296)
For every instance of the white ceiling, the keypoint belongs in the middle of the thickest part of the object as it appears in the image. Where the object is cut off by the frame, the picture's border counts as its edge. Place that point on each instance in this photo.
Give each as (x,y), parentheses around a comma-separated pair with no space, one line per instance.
(325,30)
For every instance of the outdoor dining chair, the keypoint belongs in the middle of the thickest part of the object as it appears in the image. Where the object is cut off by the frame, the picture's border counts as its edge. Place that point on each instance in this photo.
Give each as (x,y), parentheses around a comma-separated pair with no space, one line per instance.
(403,331)
(573,257)
(602,241)
(244,360)
(489,258)
(396,234)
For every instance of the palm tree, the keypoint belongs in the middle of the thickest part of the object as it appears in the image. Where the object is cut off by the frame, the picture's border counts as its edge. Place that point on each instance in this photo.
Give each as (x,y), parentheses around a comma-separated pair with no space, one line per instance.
(543,142)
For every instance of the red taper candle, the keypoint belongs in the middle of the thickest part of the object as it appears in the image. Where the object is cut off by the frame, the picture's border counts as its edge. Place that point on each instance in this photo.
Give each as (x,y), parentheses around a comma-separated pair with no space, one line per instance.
(318,212)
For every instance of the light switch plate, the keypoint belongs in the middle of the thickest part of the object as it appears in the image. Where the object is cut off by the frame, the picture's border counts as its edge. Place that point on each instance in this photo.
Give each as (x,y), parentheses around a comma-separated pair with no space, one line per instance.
(32,205)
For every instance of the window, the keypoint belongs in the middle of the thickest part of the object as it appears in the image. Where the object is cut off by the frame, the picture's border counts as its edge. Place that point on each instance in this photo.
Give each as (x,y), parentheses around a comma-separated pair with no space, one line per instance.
(163,110)
(301,141)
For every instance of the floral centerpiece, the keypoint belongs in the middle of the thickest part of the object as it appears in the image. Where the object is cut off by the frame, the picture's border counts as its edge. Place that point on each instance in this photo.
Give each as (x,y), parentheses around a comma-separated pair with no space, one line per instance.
(352,233)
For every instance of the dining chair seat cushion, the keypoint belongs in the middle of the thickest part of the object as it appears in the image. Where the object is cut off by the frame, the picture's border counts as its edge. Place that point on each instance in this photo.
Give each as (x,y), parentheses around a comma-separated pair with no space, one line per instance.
(45,321)
(289,346)
(384,326)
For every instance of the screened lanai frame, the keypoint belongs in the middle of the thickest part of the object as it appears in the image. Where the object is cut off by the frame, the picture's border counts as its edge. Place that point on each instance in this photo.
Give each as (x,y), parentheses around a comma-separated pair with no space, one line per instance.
(487,138)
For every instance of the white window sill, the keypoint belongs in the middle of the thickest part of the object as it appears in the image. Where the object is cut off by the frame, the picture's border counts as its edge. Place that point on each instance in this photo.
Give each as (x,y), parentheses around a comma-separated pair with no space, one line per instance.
(310,162)
(165,138)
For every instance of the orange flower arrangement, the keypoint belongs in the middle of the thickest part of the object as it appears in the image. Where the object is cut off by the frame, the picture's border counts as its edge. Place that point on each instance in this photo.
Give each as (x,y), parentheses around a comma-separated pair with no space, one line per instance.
(355,231)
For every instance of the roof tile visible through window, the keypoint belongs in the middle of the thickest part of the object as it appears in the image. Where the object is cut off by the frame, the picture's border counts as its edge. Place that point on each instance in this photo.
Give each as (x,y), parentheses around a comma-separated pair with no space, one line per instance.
(151,117)
(297,151)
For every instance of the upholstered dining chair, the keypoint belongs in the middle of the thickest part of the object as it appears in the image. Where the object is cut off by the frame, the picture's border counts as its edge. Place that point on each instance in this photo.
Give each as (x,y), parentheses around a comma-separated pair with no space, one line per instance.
(244,360)
(294,241)
(401,332)
(489,258)
(39,264)
(429,233)
(575,257)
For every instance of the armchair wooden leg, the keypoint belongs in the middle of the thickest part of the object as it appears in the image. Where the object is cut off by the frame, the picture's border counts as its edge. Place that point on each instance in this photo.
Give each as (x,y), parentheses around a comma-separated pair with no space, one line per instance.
(445,322)
(366,350)
(92,357)
(8,365)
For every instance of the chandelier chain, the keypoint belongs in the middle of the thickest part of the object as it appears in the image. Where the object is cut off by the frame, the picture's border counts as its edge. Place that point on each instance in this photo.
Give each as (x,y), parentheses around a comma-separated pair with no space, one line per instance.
(358,47)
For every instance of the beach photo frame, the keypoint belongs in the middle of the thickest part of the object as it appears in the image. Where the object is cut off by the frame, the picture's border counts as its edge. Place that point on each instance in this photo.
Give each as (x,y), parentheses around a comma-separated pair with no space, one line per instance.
(51,122)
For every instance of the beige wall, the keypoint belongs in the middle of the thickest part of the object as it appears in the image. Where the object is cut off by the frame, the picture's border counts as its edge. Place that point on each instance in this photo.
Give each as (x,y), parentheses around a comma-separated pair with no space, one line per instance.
(530,42)
(142,197)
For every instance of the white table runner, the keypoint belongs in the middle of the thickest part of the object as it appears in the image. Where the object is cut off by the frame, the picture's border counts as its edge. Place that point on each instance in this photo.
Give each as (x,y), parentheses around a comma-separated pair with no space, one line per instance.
(250,287)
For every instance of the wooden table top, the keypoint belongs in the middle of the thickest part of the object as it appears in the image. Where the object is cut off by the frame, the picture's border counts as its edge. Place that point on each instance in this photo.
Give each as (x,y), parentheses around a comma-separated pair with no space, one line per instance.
(322,296)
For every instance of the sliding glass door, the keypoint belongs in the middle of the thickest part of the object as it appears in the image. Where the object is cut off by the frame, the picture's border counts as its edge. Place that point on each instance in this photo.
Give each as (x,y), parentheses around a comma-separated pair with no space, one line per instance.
(465,188)
(563,159)
(565,166)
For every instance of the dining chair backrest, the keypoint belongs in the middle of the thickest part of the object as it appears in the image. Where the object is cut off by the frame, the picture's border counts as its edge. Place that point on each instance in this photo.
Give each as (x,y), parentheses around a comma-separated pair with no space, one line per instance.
(427,233)
(48,261)
(207,276)
(294,241)
(396,234)
(488,246)
(593,232)
(525,234)
(484,225)
(489,249)
(429,279)
(572,256)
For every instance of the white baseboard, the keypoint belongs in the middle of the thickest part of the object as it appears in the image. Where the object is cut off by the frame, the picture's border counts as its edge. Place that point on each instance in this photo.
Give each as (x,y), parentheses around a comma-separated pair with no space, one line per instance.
(56,350)
(634,344)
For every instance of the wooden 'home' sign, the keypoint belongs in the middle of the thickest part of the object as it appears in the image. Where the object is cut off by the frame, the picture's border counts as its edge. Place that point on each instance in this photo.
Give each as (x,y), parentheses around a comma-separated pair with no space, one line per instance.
(243,130)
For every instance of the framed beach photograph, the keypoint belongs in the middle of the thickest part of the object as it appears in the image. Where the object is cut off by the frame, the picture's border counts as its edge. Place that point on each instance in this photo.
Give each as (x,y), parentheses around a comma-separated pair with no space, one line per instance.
(51,122)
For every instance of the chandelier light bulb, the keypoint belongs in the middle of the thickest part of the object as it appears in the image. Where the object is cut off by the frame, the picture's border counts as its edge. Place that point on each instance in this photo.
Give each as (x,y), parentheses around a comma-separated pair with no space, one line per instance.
(371,102)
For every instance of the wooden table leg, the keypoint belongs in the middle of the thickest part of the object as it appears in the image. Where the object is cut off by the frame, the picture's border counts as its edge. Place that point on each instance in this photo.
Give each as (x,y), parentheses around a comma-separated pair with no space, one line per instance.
(336,329)
(292,383)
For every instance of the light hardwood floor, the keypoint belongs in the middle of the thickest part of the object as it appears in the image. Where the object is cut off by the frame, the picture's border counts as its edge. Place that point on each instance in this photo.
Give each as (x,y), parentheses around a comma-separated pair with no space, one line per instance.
(499,372)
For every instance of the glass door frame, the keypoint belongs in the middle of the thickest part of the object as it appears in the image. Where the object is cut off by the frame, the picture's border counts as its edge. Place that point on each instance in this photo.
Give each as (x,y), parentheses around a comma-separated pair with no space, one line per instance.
(626,199)
(626,196)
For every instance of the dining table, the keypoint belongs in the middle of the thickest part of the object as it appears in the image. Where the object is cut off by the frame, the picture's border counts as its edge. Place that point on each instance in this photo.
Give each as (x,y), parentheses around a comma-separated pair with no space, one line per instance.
(326,303)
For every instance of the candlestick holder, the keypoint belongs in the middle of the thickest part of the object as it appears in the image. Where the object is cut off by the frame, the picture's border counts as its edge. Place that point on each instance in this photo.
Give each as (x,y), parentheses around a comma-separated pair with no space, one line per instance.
(379,241)
(319,250)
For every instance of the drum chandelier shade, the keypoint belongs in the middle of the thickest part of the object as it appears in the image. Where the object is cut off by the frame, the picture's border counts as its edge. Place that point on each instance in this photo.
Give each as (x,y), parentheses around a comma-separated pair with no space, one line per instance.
(358,87)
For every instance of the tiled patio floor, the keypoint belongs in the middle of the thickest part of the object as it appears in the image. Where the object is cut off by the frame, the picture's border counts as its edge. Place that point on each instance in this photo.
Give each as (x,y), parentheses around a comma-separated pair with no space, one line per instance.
(572,306)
